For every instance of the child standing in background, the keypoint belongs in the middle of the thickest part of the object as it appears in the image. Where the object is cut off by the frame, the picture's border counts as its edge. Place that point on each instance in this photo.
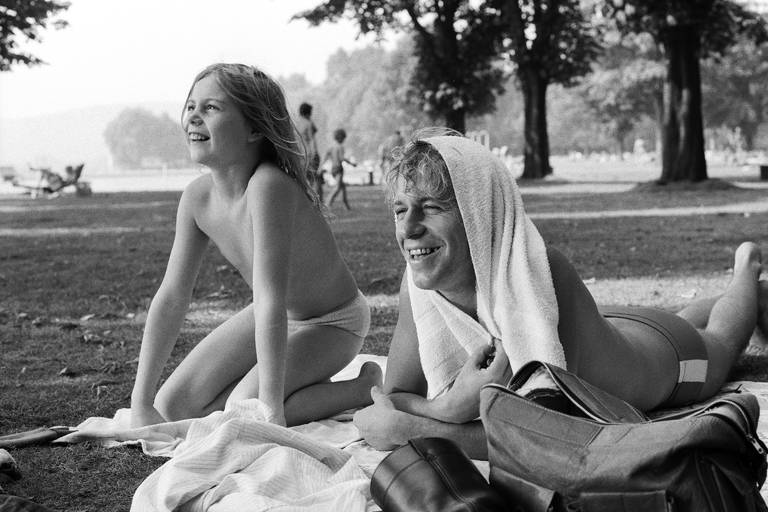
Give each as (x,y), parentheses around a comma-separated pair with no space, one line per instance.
(307,320)
(336,155)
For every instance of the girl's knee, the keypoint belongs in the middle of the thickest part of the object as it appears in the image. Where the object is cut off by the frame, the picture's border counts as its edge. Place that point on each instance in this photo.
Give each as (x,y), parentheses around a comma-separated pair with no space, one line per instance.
(175,404)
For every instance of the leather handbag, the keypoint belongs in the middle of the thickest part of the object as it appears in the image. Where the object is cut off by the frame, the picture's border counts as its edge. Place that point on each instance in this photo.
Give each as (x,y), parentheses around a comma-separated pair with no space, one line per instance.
(577,447)
(432,474)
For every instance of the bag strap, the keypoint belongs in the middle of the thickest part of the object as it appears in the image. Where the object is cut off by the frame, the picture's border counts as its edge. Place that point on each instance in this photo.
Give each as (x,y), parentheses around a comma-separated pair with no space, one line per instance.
(596,403)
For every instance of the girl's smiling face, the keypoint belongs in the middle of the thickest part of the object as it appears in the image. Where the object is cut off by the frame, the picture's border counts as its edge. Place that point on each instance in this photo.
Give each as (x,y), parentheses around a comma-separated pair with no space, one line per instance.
(432,239)
(218,134)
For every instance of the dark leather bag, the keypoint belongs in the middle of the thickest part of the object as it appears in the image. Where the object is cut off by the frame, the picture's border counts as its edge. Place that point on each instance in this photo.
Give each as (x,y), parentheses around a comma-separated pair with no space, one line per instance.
(431,474)
(580,448)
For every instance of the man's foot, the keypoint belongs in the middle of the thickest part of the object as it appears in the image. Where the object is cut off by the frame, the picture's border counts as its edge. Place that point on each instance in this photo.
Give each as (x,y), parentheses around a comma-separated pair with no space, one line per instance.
(748,258)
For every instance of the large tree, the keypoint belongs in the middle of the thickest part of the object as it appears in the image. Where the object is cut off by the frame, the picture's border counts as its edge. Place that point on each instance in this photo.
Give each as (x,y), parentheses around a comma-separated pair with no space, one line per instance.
(21,22)
(550,42)
(687,30)
(735,89)
(137,137)
(455,44)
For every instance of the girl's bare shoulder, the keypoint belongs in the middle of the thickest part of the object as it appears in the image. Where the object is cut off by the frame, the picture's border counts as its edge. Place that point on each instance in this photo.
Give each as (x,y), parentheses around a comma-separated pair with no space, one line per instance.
(270,184)
(198,191)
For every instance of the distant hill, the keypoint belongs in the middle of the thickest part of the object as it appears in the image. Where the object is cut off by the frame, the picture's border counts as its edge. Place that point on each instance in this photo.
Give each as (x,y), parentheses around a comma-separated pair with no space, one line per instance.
(60,139)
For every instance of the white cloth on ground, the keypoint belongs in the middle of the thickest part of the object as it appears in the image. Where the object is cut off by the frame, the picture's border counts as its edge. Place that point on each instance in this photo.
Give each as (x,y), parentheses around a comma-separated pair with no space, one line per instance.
(516,300)
(232,461)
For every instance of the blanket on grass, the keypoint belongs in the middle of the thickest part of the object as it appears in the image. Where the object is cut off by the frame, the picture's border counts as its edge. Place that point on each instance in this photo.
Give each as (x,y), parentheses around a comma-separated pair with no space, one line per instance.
(232,460)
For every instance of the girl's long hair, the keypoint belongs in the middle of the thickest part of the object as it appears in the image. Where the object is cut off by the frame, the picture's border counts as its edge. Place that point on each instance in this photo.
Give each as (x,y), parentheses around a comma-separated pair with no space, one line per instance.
(262,102)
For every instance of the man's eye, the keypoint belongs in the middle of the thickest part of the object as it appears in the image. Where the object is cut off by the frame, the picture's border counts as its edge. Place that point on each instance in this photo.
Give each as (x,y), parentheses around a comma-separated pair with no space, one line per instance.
(211,107)
(399,212)
(189,107)
(433,207)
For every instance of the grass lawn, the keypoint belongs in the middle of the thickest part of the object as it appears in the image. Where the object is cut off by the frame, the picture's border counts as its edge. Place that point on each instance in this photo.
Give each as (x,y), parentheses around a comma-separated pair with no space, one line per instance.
(77,274)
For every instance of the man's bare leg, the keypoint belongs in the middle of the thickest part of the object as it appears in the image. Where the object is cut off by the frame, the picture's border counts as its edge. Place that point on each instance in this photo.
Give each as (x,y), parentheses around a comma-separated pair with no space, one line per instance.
(733,317)
(698,312)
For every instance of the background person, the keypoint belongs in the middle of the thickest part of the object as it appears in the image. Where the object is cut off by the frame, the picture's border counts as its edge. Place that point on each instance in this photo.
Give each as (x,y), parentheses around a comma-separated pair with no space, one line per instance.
(307,131)
(336,155)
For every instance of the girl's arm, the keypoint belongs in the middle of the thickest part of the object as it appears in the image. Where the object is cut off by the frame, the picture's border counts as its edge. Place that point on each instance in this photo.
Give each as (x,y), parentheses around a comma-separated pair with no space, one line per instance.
(272,203)
(167,310)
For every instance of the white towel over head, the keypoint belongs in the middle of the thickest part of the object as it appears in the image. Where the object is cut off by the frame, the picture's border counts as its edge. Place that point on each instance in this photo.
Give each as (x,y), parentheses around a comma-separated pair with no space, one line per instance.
(516,300)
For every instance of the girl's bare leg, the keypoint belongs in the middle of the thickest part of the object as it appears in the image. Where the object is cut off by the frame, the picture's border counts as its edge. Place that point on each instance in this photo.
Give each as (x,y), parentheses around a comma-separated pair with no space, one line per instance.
(315,354)
(206,376)
(325,399)
(223,366)
(733,317)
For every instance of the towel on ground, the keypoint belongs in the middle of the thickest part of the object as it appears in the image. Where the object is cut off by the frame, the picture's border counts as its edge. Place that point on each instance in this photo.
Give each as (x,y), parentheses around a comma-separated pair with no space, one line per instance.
(516,300)
(232,460)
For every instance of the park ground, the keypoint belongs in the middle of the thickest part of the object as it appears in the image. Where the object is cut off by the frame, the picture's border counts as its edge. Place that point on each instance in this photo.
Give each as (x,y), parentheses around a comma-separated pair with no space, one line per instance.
(77,274)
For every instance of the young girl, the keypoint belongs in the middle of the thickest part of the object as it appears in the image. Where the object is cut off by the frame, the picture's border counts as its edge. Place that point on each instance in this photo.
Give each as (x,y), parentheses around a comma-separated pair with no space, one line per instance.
(307,320)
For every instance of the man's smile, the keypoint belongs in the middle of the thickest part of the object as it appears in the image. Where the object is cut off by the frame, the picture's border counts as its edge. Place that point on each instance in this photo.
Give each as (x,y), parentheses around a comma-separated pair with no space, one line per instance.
(421,252)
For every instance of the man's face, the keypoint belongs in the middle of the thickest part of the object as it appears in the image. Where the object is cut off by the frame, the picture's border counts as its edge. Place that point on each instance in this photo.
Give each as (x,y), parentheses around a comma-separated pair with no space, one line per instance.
(433,241)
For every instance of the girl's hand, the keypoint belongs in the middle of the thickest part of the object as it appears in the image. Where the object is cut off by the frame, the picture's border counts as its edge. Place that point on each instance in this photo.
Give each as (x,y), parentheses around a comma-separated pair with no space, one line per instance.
(275,414)
(143,415)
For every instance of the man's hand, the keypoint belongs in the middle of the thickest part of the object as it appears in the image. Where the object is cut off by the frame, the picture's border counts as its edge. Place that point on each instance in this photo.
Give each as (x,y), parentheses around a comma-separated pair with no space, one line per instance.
(381,425)
(461,403)
(143,415)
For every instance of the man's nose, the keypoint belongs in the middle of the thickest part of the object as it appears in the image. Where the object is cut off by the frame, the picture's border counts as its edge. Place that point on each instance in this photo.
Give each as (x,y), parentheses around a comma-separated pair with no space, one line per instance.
(411,225)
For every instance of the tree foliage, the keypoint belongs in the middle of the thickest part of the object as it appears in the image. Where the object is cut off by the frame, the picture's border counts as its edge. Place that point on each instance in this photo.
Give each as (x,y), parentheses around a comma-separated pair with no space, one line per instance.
(687,30)
(549,42)
(138,138)
(455,44)
(735,88)
(21,22)
(626,84)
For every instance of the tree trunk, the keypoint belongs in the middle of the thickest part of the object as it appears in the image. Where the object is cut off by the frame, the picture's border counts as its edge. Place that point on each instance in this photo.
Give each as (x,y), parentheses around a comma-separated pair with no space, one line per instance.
(456,120)
(536,153)
(683,136)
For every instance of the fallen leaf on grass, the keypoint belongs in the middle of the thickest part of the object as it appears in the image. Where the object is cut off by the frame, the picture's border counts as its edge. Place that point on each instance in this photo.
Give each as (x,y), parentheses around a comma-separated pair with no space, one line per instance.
(104,382)
(67,325)
(87,317)
(689,294)
(68,372)
(110,367)
(90,337)
(590,280)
